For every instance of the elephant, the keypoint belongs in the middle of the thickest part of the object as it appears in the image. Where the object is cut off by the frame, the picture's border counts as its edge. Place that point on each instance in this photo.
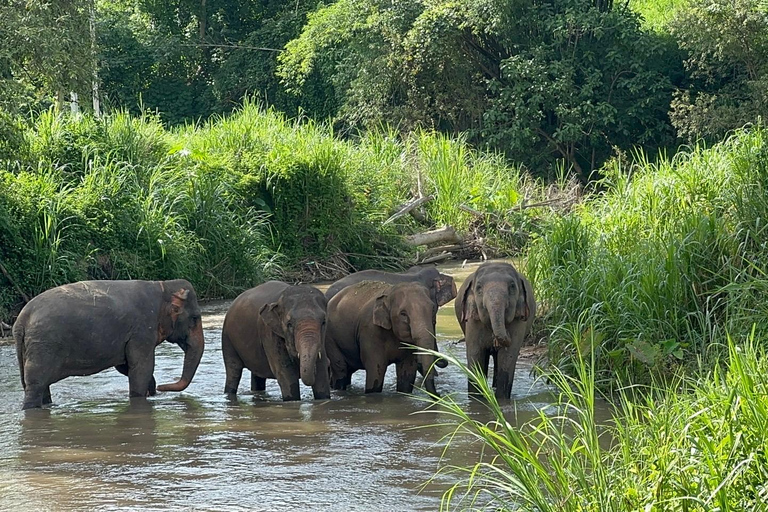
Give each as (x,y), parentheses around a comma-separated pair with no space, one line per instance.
(86,327)
(495,308)
(368,325)
(442,288)
(277,331)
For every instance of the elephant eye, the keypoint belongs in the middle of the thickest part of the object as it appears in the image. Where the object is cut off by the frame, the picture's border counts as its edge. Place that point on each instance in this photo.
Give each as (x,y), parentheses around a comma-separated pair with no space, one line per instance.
(404,314)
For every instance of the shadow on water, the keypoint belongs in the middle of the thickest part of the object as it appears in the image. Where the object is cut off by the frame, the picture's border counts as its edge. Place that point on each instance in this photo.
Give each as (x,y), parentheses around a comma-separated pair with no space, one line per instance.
(199,450)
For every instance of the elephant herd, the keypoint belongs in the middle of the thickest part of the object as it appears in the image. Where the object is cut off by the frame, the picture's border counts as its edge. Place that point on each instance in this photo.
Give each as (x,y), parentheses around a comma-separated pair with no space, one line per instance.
(365,321)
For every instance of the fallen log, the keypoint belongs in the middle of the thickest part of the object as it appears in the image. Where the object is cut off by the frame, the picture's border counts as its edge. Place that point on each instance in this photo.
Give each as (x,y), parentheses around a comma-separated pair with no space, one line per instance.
(408,207)
(443,248)
(435,259)
(446,234)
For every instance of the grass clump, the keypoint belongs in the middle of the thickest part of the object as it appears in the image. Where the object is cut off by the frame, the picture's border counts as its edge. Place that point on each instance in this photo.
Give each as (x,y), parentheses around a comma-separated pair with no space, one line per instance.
(696,446)
(664,260)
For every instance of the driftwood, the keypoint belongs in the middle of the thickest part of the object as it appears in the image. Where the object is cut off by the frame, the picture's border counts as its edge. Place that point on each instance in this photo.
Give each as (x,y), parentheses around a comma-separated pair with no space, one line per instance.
(409,208)
(446,234)
(443,248)
(435,259)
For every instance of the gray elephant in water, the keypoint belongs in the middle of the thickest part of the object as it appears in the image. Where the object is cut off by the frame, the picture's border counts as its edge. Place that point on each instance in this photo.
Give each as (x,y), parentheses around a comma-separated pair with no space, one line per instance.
(86,327)
(442,288)
(369,325)
(277,331)
(495,308)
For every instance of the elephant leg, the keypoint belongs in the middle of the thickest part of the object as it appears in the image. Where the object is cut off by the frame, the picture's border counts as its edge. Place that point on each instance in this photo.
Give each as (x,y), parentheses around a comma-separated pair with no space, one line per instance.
(233,366)
(140,378)
(341,376)
(477,357)
(507,362)
(322,387)
(257,383)
(37,392)
(152,390)
(406,375)
(47,396)
(33,397)
(374,378)
(289,387)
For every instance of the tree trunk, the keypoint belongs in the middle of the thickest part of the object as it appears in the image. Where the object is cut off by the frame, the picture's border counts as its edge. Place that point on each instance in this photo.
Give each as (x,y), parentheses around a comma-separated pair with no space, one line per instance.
(95,77)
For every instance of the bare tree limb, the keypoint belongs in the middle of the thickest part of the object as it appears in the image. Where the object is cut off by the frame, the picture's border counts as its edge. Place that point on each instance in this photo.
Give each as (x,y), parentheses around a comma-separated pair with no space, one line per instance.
(407,208)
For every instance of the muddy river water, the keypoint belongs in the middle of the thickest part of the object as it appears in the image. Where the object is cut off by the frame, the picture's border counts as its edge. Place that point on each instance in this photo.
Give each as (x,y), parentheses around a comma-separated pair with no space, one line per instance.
(196,450)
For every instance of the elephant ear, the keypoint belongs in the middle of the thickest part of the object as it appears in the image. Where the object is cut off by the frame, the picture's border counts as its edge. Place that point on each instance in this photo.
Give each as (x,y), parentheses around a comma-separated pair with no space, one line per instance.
(270,313)
(178,299)
(469,308)
(381,315)
(445,289)
(521,310)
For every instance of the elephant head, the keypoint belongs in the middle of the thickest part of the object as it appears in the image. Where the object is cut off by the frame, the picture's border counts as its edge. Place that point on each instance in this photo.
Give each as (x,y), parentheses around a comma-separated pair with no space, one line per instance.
(409,312)
(441,286)
(496,294)
(180,323)
(298,317)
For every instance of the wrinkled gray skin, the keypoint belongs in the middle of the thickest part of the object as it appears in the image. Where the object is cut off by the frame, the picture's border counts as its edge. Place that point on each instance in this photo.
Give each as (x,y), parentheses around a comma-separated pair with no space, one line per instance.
(368,325)
(495,308)
(86,327)
(442,288)
(277,331)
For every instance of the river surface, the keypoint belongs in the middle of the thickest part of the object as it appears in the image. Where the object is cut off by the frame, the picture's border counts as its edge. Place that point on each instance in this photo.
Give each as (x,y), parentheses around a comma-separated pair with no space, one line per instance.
(196,450)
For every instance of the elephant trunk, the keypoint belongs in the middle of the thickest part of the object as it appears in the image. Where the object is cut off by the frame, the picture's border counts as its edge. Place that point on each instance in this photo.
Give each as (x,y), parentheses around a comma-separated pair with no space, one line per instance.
(309,347)
(193,352)
(426,339)
(496,305)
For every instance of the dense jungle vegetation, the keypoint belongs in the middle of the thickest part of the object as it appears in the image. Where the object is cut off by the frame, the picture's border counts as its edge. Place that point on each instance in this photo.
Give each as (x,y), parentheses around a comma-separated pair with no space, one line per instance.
(233,141)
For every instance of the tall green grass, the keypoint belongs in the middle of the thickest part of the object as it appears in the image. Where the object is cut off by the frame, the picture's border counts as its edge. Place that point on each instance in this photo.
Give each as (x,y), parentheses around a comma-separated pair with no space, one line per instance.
(664,258)
(699,445)
(230,202)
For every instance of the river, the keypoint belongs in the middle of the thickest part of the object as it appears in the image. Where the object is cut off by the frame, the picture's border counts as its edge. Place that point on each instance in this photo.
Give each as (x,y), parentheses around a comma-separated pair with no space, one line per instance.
(196,450)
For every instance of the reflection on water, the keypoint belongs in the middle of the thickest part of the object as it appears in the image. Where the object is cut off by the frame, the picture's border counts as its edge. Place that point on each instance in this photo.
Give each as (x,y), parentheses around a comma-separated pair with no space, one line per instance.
(199,450)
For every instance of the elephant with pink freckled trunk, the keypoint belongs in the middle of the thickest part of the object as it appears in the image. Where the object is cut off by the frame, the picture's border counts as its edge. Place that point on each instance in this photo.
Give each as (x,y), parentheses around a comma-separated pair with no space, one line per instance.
(277,331)
(495,307)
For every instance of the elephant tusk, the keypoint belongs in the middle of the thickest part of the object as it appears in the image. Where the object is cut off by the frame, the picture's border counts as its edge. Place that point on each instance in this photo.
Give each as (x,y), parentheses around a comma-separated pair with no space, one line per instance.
(319,355)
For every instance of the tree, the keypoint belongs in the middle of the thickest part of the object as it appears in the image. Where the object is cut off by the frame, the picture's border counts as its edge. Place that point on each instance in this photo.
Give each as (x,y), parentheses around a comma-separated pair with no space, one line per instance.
(45,50)
(541,81)
(727,45)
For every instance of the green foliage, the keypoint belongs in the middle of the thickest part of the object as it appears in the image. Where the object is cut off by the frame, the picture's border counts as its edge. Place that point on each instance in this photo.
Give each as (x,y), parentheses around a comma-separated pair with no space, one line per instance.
(727,45)
(43,45)
(664,260)
(698,445)
(656,14)
(222,203)
(106,199)
(566,80)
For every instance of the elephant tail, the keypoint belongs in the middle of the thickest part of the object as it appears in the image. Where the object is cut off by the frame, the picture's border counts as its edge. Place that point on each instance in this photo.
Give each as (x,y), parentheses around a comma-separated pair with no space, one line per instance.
(18,335)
